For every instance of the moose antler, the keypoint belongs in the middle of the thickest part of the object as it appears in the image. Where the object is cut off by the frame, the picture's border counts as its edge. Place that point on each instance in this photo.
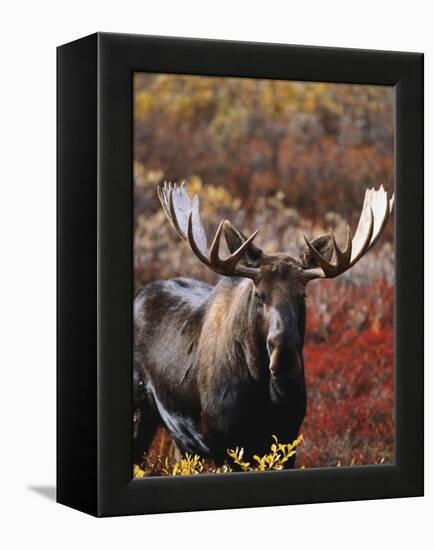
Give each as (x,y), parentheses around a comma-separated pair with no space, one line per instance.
(377,208)
(183,214)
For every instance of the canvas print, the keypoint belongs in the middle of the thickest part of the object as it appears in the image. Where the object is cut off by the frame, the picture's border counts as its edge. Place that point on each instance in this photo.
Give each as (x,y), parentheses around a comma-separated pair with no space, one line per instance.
(263,275)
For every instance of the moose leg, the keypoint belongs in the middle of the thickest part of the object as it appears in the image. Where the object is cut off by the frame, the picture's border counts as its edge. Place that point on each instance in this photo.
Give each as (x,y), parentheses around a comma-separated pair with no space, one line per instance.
(289,410)
(145,424)
(145,418)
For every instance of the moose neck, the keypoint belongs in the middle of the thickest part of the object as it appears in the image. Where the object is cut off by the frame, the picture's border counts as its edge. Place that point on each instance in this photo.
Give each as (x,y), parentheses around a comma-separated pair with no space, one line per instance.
(236,328)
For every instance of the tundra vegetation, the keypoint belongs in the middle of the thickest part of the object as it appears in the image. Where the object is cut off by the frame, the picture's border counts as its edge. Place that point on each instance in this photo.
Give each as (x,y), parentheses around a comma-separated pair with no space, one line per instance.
(291,159)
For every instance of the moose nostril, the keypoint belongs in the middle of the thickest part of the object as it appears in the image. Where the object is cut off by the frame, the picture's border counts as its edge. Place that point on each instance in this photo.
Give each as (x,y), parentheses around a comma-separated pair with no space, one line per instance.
(284,359)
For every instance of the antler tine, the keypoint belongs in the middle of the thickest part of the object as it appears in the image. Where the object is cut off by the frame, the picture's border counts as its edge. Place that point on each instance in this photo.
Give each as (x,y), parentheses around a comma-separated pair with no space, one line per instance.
(235,257)
(364,247)
(373,219)
(193,244)
(172,213)
(388,209)
(231,261)
(227,266)
(185,218)
(232,265)
(343,257)
(324,264)
(163,198)
(215,245)
(164,192)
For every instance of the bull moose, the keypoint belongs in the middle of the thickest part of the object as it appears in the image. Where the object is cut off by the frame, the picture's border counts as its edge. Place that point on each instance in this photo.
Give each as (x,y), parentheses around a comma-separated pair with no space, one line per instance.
(222,366)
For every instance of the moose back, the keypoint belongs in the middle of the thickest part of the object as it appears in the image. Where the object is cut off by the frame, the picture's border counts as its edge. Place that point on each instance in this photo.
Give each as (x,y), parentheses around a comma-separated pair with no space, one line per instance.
(222,366)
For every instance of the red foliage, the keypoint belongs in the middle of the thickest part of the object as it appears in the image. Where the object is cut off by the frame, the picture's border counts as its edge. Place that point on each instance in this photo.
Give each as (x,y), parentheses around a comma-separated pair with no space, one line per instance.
(350,379)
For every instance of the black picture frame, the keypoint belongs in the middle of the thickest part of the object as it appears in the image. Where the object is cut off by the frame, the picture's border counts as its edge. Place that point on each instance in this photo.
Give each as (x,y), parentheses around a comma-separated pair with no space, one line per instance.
(95,282)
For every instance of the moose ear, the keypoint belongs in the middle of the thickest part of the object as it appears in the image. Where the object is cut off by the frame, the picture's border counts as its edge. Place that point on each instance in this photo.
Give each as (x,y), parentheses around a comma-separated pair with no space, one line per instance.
(324,245)
(234,239)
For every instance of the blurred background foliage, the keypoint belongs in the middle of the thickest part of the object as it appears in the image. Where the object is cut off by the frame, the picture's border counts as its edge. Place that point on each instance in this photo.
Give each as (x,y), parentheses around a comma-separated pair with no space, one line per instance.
(288,158)
(324,140)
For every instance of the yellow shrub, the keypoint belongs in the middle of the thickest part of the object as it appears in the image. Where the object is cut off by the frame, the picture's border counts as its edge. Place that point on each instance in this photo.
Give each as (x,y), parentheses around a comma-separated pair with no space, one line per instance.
(274,460)
(188,464)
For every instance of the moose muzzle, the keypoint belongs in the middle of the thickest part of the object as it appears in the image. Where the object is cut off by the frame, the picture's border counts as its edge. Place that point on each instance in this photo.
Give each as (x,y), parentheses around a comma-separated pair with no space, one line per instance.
(283,343)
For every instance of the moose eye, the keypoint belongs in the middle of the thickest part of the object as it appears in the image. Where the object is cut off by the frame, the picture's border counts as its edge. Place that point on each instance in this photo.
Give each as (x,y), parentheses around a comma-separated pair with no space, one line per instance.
(260,297)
